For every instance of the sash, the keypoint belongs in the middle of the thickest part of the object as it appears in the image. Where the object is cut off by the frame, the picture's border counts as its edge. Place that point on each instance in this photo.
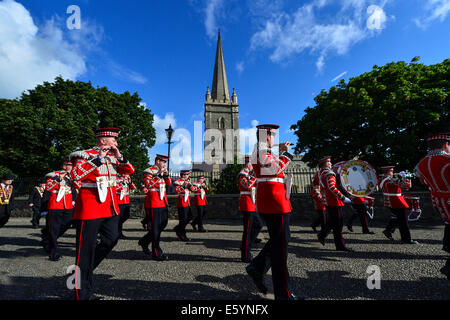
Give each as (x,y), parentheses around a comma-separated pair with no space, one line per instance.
(288,182)
(102,187)
(186,195)
(202,194)
(61,193)
(162,191)
(5,195)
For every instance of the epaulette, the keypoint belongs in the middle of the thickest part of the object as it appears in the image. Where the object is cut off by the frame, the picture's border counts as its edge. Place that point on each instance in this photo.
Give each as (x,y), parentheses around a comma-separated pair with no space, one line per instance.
(79,155)
(51,175)
(178,182)
(329,172)
(243,172)
(152,170)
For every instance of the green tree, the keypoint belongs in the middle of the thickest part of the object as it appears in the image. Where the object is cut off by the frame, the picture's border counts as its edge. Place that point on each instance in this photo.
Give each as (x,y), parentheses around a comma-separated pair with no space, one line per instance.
(381,116)
(227,182)
(49,122)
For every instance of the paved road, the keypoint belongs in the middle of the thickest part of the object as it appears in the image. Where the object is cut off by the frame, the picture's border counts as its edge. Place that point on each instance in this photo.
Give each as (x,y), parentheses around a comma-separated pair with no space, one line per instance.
(209,267)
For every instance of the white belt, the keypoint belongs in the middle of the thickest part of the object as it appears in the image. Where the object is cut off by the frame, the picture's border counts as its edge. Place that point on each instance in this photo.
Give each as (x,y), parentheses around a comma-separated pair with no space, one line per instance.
(57,191)
(94,185)
(280,180)
(392,194)
(246,192)
(153,189)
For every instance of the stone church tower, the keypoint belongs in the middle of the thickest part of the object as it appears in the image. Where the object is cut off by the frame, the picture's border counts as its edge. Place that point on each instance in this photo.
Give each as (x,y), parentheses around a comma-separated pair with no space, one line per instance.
(221,113)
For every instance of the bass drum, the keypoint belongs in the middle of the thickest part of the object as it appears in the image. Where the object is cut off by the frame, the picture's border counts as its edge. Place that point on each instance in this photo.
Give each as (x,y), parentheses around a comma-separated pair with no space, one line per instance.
(356,178)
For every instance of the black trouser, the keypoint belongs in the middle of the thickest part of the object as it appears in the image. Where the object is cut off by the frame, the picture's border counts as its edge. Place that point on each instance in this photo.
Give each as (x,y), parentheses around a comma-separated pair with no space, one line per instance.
(89,254)
(159,218)
(252,226)
(184,217)
(360,210)
(124,215)
(399,218)
(59,220)
(446,241)
(4,215)
(201,211)
(274,253)
(335,223)
(147,219)
(321,219)
(36,216)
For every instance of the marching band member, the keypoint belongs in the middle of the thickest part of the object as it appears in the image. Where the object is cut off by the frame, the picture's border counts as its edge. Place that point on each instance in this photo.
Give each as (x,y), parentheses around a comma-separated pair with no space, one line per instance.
(156,181)
(434,171)
(200,189)
(360,209)
(35,203)
(319,205)
(393,199)
(334,201)
(183,187)
(97,206)
(273,205)
(251,220)
(124,185)
(6,198)
(60,208)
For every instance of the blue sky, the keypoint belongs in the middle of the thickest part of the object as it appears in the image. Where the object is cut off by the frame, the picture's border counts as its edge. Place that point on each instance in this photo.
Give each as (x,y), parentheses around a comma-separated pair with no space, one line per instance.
(279,54)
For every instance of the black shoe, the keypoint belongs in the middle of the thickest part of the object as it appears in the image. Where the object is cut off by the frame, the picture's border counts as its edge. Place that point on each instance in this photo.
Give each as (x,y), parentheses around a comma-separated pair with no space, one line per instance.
(345,249)
(314,228)
(162,257)
(388,234)
(35,226)
(258,278)
(294,297)
(94,297)
(247,258)
(144,225)
(350,228)
(368,232)
(145,248)
(55,257)
(410,242)
(321,239)
(194,227)
(445,270)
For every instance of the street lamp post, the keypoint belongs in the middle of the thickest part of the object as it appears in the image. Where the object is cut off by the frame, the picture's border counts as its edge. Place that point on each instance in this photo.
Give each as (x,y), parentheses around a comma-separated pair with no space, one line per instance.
(169,133)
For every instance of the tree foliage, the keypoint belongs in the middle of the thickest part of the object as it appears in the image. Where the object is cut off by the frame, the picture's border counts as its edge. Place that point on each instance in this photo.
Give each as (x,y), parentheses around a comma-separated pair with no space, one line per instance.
(49,122)
(381,116)
(228,181)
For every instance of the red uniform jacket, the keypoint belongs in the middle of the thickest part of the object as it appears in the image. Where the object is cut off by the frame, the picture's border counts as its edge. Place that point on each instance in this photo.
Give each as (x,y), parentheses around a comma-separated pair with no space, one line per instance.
(270,188)
(123,190)
(316,193)
(196,189)
(330,193)
(434,172)
(246,182)
(392,192)
(53,185)
(154,183)
(181,188)
(87,167)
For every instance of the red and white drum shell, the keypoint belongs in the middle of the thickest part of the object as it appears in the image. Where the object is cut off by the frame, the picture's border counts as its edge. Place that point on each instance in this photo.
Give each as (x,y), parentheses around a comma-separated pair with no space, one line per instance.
(413,203)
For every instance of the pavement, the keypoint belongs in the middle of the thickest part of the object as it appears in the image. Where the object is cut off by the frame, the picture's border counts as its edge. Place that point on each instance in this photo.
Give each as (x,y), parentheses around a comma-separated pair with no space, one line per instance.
(209,267)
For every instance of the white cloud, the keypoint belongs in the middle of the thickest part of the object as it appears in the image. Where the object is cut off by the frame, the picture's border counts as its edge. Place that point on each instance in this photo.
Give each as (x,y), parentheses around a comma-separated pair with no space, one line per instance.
(288,34)
(434,10)
(30,54)
(211,12)
(161,124)
(247,138)
(240,67)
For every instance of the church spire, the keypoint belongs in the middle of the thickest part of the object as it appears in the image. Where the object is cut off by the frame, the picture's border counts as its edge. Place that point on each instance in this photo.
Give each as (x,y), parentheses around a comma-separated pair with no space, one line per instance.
(219,89)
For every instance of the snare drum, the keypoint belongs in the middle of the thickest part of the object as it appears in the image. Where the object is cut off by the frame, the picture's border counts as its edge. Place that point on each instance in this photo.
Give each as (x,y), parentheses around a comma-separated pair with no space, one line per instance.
(414,208)
(413,203)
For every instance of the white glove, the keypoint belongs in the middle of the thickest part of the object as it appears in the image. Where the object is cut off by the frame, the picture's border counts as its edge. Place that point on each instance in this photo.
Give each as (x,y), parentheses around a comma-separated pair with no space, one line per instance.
(402,174)
(347,200)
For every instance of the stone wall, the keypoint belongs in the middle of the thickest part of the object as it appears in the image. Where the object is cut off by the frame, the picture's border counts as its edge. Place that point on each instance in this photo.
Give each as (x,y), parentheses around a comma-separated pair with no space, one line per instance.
(225,206)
